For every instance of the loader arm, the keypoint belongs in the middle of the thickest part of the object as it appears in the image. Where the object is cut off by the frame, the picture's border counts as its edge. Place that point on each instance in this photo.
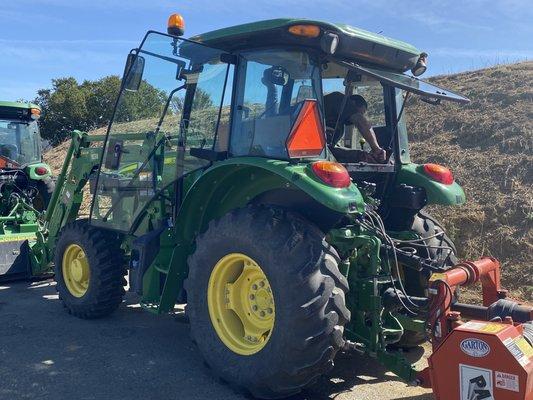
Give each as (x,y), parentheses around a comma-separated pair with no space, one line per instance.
(80,161)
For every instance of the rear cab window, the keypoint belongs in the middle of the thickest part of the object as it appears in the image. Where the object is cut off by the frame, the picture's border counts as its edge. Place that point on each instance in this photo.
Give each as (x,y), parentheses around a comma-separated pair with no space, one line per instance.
(372,91)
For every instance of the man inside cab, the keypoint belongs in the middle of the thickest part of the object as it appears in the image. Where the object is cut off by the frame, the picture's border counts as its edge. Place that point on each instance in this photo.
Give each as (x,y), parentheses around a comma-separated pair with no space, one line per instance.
(341,111)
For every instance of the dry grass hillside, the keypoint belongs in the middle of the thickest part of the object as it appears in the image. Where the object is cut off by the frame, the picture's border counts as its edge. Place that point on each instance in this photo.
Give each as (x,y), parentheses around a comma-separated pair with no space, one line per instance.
(489,146)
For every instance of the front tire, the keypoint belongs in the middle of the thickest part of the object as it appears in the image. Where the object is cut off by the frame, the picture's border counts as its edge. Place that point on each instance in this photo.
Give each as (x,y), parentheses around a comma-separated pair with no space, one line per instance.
(306,304)
(89,270)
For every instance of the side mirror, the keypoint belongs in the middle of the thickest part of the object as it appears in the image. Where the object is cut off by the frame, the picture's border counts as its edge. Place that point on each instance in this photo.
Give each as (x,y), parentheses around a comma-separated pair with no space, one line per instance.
(133,72)
(275,76)
(353,76)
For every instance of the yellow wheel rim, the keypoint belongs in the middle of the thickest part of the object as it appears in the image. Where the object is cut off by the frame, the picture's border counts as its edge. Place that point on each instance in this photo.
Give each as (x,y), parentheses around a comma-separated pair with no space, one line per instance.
(241,304)
(76,271)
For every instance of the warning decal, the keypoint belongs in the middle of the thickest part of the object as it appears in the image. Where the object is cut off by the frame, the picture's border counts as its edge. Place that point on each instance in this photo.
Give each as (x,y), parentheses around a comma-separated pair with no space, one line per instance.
(516,348)
(493,327)
(506,381)
(523,344)
(489,327)
(476,383)
(474,325)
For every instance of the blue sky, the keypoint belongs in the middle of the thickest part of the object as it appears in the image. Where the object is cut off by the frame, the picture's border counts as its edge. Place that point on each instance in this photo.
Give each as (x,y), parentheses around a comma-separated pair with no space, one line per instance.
(45,39)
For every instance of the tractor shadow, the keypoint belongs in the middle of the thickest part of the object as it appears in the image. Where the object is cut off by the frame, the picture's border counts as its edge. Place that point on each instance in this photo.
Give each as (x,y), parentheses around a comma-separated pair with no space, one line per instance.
(353,370)
(133,354)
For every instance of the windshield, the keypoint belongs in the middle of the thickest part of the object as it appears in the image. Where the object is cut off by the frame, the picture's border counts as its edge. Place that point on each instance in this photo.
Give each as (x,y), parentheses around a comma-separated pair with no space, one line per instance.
(20,141)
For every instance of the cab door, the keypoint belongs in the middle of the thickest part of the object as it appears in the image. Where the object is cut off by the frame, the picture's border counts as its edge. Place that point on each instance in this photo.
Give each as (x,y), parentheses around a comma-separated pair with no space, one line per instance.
(173,98)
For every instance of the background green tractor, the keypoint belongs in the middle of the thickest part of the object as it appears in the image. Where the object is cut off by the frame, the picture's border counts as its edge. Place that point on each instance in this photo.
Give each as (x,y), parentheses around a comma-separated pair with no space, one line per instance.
(227,195)
(26,185)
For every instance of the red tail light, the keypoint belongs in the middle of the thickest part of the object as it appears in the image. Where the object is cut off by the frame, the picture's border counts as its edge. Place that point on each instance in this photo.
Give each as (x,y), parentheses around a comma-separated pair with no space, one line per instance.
(439,173)
(41,171)
(331,173)
(307,137)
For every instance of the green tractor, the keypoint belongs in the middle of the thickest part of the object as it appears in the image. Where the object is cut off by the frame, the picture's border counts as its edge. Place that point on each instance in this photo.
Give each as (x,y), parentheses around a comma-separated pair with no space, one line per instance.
(26,185)
(218,185)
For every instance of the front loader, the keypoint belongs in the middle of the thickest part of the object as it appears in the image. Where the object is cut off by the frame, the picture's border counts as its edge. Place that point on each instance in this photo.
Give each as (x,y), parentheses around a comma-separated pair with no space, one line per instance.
(220,185)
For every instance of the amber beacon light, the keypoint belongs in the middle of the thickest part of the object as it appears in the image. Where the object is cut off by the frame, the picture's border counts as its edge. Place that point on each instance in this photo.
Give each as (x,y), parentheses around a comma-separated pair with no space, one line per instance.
(176,25)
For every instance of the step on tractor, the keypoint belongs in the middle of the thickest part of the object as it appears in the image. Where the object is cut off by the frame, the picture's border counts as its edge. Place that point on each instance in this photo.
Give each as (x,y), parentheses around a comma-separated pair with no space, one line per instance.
(242,175)
(26,186)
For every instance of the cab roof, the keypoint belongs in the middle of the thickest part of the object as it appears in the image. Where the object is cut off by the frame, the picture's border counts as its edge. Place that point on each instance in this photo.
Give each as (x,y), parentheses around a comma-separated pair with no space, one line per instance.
(14,110)
(17,104)
(354,43)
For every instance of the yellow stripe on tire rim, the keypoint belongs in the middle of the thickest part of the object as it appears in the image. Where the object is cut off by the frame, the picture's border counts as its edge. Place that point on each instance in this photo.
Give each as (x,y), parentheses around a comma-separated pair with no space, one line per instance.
(241,304)
(76,270)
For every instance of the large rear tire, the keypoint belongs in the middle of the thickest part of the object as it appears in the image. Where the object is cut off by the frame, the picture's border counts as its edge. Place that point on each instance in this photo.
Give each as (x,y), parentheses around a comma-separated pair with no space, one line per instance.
(440,248)
(299,328)
(427,227)
(45,189)
(89,270)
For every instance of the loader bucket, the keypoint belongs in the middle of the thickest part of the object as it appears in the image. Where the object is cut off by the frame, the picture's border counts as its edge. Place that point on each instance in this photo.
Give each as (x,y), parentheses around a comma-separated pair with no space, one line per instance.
(15,257)
(18,234)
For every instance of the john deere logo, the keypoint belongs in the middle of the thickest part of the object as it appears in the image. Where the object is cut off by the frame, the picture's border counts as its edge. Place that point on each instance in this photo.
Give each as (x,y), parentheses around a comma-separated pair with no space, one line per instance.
(475,347)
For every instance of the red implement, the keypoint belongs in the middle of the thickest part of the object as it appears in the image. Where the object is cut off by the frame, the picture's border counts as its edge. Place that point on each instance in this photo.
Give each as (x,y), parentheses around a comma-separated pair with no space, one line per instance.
(490,357)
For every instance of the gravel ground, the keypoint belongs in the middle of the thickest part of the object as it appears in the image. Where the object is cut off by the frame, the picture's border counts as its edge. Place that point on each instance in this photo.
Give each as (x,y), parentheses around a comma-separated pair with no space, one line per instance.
(47,354)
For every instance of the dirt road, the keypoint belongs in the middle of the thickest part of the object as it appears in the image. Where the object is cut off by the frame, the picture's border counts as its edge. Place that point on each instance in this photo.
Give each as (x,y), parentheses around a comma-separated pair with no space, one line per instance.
(47,354)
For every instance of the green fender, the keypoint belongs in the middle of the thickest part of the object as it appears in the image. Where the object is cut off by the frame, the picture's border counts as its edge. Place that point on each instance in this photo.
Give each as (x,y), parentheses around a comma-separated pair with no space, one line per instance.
(30,170)
(232,183)
(437,193)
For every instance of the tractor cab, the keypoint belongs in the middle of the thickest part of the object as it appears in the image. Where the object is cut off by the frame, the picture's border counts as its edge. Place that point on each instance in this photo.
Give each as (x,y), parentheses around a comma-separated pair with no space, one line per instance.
(260,90)
(20,141)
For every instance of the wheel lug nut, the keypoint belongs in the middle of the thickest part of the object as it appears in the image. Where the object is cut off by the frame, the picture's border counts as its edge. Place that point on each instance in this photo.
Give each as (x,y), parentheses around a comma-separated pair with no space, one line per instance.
(252,297)
(270,311)
(254,308)
(262,283)
(262,313)
(254,286)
